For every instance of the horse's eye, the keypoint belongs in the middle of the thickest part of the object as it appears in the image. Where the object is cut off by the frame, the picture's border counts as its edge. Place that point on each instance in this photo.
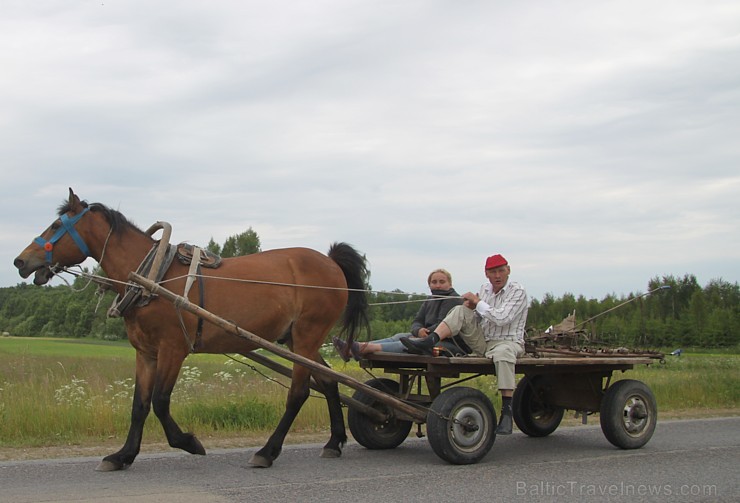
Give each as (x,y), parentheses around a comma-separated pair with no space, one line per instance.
(57,224)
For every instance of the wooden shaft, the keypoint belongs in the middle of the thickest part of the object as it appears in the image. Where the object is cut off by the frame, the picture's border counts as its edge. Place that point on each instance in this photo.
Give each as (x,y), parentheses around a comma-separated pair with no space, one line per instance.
(182,302)
(287,372)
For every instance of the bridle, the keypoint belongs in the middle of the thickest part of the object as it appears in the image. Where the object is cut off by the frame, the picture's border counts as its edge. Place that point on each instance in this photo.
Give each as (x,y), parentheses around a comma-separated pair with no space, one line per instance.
(68,226)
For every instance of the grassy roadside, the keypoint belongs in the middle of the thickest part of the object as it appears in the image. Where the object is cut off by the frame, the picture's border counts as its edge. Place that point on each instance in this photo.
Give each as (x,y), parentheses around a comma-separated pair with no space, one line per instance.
(61,398)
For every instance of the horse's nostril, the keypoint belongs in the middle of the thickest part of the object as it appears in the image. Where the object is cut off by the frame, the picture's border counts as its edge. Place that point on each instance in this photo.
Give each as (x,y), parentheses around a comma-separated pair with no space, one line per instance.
(18,263)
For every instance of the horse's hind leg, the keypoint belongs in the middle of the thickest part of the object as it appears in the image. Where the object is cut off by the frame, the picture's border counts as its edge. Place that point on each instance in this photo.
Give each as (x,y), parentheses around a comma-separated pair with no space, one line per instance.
(297,396)
(145,371)
(330,389)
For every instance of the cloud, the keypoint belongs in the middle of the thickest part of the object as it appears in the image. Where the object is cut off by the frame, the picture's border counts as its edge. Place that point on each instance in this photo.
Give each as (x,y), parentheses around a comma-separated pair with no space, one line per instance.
(594,144)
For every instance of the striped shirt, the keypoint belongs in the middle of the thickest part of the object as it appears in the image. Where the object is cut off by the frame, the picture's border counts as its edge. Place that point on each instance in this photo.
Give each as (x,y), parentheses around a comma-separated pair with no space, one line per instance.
(503,315)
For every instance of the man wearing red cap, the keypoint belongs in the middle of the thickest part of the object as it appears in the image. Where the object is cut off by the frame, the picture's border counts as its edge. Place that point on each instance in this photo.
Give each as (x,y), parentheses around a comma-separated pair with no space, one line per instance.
(492,323)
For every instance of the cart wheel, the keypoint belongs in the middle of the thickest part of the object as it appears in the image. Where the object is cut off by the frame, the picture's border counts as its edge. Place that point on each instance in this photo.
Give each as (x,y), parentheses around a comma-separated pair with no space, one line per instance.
(628,414)
(461,425)
(531,415)
(370,433)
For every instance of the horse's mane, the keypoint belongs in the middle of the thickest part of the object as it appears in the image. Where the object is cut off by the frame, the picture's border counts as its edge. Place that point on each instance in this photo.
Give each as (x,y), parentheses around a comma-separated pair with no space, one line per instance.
(118,222)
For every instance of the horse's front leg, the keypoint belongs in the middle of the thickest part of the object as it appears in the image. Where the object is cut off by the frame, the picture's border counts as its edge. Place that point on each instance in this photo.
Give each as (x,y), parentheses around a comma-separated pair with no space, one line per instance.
(168,369)
(145,372)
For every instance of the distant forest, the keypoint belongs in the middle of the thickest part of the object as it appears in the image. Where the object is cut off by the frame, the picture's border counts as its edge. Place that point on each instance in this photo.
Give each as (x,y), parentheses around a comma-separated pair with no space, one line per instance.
(686,314)
(683,315)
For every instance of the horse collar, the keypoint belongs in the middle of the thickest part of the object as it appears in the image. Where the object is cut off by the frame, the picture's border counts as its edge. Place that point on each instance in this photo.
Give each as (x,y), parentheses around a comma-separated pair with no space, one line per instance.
(68,225)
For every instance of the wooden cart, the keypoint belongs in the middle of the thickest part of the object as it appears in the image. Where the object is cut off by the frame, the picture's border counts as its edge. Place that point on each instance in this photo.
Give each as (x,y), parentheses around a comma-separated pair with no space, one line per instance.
(460,420)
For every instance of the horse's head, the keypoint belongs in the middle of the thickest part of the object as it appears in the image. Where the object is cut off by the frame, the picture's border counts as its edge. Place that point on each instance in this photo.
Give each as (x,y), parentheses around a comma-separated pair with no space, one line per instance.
(60,245)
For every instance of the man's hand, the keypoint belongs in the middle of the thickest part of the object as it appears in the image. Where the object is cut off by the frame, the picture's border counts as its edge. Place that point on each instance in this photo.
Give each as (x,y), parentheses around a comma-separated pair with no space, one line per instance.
(423,332)
(470,300)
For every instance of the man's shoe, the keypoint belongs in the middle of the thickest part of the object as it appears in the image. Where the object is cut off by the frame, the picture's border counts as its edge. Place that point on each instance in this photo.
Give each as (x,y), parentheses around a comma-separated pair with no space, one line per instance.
(419,346)
(505,425)
(341,348)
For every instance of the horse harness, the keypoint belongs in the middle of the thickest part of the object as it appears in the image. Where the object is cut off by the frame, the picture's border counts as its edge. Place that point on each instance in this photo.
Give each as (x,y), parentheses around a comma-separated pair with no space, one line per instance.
(155,265)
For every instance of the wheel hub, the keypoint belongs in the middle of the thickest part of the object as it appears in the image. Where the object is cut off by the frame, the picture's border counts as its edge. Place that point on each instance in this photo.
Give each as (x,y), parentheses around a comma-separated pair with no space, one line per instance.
(635,415)
(466,427)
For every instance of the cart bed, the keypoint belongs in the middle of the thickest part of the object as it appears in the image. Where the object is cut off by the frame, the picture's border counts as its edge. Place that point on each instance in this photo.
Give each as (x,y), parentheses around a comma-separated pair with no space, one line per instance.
(453,366)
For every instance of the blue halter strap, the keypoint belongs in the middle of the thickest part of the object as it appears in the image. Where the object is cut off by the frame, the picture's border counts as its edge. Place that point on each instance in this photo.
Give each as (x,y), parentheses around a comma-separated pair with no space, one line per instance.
(68,225)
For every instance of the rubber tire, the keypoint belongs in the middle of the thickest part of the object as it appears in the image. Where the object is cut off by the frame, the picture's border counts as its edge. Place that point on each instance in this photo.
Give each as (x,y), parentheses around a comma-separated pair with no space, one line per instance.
(370,433)
(450,441)
(628,414)
(531,416)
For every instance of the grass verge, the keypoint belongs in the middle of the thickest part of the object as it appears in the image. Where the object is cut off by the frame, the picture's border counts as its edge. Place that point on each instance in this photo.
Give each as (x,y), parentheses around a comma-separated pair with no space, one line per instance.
(74,396)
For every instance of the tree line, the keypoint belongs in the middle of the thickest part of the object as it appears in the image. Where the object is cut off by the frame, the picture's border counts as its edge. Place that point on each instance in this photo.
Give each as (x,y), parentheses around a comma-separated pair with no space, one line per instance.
(684,314)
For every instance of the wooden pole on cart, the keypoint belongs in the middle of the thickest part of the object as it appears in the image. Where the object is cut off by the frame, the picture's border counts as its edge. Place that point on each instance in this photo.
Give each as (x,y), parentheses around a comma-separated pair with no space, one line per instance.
(271,364)
(182,302)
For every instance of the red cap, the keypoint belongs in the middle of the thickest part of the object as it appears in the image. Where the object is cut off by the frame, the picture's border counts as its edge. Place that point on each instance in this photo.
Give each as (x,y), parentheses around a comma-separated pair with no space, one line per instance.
(495,261)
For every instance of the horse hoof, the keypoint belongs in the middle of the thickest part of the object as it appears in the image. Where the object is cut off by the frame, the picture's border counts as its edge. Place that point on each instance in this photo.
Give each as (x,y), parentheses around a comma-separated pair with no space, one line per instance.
(198,448)
(109,466)
(330,453)
(258,461)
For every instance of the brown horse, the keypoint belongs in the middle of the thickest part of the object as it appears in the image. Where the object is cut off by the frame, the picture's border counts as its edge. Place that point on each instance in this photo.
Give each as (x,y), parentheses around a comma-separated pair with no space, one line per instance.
(293,296)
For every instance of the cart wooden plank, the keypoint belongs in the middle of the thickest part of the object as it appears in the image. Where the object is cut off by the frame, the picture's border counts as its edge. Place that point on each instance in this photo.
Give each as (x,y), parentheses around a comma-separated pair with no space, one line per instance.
(442,365)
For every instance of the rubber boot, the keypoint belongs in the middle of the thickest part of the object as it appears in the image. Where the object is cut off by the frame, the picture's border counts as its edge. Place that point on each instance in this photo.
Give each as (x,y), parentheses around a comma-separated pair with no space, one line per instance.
(505,424)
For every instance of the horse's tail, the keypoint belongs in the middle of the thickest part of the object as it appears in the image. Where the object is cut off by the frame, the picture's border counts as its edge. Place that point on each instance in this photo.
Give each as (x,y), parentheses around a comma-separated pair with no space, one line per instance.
(354,267)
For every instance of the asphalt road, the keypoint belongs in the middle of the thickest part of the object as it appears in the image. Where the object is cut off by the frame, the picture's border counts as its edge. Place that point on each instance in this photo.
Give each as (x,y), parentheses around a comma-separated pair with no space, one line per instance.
(692,460)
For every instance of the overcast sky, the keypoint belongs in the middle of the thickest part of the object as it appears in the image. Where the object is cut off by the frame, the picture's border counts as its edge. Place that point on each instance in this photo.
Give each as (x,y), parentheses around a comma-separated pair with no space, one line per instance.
(595,144)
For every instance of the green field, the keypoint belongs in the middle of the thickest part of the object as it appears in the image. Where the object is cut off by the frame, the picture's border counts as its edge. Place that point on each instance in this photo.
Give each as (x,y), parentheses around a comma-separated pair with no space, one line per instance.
(61,392)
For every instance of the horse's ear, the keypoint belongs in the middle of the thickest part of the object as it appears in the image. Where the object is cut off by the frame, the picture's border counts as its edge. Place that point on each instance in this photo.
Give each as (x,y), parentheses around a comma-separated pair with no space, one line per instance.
(74,201)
